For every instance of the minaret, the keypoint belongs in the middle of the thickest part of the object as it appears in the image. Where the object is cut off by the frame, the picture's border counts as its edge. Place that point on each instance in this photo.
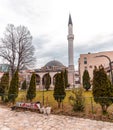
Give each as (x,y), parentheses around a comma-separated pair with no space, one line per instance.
(70,38)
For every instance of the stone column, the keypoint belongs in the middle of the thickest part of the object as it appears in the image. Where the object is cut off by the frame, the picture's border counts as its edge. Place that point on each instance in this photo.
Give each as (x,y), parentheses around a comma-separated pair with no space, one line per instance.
(40,82)
(51,82)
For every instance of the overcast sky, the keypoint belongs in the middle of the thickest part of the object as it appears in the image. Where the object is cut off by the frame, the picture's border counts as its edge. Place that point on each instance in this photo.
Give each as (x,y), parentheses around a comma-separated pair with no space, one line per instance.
(47,21)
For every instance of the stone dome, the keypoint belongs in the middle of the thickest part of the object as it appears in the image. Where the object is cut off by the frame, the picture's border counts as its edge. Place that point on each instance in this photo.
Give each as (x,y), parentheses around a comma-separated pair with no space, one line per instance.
(54,63)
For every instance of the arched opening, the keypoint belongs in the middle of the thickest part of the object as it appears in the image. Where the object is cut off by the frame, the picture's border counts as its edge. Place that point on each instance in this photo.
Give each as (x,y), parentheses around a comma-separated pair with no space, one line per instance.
(54,79)
(37,79)
(46,80)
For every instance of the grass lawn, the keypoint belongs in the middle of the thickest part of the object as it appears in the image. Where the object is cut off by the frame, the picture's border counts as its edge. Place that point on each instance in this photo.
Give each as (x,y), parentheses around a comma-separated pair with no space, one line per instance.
(49,99)
(90,105)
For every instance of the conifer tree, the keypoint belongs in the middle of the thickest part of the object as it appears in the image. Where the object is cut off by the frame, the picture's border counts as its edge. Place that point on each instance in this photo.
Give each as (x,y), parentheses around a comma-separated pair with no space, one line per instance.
(24,85)
(86,80)
(59,89)
(77,99)
(102,88)
(14,87)
(66,78)
(31,93)
(4,85)
(47,81)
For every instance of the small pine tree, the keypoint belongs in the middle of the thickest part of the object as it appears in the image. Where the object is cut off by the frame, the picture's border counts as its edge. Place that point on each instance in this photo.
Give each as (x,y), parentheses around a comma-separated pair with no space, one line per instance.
(24,85)
(102,88)
(59,89)
(77,100)
(31,93)
(14,87)
(86,80)
(4,85)
(47,81)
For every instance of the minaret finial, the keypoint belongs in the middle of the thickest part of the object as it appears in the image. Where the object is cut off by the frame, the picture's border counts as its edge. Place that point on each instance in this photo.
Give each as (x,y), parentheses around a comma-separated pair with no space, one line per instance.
(70,20)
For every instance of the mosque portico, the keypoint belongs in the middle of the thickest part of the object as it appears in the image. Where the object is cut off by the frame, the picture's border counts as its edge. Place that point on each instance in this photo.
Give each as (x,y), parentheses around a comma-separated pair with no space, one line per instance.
(52,67)
(41,76)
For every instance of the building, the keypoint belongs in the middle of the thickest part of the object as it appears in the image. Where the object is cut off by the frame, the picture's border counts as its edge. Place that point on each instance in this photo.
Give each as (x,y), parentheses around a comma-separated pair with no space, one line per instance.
(90,60)
(54,67)
(4,67)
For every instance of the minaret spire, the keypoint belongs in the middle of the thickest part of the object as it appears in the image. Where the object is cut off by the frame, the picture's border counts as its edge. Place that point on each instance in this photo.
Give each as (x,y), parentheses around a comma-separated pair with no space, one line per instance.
(70,20)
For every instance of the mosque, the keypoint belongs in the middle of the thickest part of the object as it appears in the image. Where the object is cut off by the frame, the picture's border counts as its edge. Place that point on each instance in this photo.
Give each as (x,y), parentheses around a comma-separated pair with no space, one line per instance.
(54,66)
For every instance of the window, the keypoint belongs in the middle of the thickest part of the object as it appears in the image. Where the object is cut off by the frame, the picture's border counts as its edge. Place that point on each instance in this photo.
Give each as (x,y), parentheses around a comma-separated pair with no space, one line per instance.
(85,60)
(90,67)
(85,67)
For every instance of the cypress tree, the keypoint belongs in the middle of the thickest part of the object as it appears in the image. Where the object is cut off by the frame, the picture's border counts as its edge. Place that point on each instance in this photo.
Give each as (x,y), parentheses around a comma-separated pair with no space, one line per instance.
(47,81)
(24,85)
(86,80)
(4,85)
(66,78)
(102,88)
(14,87)
(31,92)
(59,89)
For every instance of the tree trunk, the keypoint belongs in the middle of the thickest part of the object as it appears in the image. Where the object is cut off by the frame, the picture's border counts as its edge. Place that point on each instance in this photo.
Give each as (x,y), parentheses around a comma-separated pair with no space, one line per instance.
(58,104)
(62,105)
(3,98)
(87,90)
(104,109)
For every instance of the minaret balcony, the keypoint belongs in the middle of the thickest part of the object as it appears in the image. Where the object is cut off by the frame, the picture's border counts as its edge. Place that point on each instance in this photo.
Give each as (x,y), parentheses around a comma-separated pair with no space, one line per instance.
(71,36)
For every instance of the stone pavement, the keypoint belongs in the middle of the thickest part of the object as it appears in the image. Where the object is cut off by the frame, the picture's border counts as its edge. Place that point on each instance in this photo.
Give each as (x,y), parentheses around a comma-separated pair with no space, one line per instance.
(12,120)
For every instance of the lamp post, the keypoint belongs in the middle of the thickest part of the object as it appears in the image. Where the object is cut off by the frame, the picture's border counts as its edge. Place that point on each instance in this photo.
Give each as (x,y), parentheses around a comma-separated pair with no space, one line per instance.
(43,95)
(110,66)
(43,83)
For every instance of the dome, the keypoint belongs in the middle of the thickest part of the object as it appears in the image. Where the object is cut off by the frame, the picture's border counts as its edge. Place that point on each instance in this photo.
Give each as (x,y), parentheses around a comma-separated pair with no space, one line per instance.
(54,63)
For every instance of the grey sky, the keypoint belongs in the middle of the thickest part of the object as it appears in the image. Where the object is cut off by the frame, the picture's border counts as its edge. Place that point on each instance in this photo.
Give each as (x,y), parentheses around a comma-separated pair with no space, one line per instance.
(47,21)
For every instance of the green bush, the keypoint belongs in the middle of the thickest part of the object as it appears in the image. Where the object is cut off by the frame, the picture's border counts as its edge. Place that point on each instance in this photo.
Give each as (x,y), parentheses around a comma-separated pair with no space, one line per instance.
(77,101)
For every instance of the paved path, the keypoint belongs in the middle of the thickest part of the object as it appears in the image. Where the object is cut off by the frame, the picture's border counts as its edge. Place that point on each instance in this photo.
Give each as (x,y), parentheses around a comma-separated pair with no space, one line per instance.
(11,120)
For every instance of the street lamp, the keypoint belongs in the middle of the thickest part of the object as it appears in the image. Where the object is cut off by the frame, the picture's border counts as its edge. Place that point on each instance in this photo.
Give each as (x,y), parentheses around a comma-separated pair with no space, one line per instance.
(43,95)
(110,66)
(43,83)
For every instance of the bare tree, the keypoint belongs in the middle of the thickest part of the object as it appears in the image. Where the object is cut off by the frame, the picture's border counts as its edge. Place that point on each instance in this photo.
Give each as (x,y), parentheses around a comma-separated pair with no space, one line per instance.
(17,48)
